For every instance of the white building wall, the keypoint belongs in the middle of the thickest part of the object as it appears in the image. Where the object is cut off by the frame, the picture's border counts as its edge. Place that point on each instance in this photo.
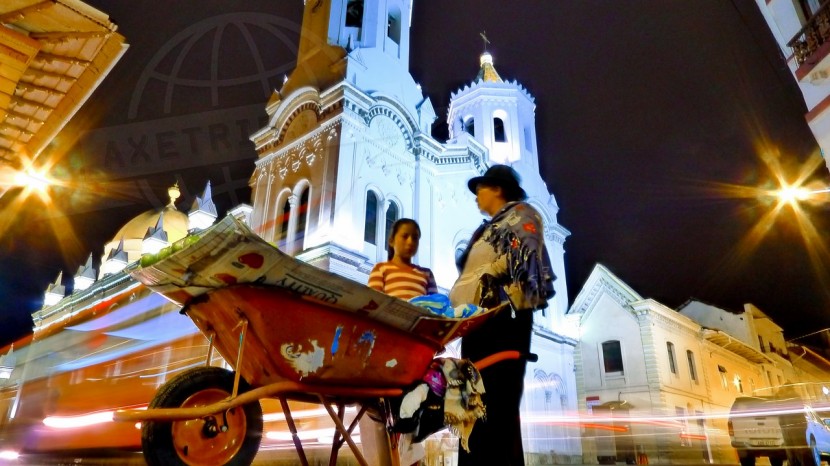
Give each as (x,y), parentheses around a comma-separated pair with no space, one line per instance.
(738,325)
(674,417)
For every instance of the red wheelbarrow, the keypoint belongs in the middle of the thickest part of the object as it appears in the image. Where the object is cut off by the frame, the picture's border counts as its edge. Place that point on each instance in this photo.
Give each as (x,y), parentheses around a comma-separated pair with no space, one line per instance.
(292,332)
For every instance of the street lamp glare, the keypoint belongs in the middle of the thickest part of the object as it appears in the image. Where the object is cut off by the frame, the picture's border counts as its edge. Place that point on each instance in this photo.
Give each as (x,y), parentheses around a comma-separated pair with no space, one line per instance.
(793,194)
(35,180)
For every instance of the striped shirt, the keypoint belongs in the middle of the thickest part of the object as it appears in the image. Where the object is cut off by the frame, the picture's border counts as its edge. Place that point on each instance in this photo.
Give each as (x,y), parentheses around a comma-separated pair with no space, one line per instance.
(402,281)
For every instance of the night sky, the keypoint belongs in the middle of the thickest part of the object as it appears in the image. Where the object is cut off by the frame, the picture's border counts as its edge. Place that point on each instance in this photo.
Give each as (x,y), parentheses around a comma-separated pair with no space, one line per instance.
(645,110)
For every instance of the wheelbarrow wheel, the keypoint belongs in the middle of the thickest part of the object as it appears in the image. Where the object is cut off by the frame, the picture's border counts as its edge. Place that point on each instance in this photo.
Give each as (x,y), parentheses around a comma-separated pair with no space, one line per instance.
(230,438)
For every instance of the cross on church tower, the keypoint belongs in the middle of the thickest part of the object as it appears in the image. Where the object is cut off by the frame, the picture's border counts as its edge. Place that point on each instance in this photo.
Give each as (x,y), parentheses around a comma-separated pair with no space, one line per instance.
(486,41)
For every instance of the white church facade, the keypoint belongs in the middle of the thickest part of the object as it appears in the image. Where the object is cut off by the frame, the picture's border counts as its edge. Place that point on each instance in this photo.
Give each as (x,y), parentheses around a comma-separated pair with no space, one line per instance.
(348,150)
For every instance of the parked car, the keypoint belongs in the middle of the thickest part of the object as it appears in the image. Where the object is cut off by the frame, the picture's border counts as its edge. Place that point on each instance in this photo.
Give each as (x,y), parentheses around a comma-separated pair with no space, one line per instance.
(769,426)
(818,433)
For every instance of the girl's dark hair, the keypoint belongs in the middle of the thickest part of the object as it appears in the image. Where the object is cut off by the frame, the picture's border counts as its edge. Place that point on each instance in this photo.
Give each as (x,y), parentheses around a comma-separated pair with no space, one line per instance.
(397,226)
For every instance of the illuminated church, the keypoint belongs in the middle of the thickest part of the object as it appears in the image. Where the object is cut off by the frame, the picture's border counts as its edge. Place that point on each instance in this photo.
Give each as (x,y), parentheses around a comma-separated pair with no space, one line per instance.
(347,151)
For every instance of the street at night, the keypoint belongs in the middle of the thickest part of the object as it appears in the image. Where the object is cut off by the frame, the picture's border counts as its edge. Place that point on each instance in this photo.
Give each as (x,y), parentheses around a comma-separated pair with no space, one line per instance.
(410,232)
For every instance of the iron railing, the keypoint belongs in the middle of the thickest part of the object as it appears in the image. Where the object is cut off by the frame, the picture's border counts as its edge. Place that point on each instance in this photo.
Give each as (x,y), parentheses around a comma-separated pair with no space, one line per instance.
(812,36)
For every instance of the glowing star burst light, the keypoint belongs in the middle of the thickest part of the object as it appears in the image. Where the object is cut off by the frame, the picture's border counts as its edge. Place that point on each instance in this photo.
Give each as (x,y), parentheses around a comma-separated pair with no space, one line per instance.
(793,194)
(35,180)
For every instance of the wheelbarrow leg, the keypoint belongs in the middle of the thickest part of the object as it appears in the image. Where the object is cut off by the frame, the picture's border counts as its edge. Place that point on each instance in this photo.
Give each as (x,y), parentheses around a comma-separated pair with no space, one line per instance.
(337,439)
(346,433)
(298,445)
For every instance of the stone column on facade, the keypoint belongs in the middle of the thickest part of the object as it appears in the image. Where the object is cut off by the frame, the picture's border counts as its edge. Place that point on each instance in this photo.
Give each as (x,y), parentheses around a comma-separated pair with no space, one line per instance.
(268,212)
(652,375)
(257,201)
(291,235)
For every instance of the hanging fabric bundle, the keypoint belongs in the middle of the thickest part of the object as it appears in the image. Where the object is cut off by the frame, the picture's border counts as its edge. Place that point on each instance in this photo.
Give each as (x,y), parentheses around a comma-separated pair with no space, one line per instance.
(449,396)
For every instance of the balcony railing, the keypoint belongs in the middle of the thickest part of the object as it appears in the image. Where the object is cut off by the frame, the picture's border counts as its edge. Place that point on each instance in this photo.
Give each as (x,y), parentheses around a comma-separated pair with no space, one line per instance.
(812,36)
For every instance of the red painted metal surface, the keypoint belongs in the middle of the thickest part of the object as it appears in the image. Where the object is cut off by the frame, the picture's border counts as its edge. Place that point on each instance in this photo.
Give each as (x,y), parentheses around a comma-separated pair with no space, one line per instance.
(290,338)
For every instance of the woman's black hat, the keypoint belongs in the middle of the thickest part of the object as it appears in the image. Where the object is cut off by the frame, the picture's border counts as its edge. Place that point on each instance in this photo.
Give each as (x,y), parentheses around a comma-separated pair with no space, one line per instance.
(504,177)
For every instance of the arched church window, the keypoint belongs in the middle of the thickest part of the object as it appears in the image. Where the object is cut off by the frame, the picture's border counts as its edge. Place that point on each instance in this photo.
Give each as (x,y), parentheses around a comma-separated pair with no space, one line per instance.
(498,130)
(370,225)
(470,126)
(354,14)
(391,217)
(302,220)
(282,221)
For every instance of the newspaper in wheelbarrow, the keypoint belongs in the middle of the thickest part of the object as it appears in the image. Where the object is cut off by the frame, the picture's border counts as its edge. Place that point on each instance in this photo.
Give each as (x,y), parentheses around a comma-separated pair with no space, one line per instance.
(229,253)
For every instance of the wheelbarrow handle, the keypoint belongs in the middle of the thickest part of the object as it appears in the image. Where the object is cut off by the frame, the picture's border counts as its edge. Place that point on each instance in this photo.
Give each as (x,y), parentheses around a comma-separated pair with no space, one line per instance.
(504,356)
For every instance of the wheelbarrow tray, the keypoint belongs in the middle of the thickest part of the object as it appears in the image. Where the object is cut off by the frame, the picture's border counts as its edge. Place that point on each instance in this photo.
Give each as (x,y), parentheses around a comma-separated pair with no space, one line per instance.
(291,338)
(303,323)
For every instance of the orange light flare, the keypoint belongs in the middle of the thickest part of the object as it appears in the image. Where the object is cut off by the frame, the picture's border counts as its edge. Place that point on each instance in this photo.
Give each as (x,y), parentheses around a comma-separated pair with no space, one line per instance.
(29,190)
(785,198)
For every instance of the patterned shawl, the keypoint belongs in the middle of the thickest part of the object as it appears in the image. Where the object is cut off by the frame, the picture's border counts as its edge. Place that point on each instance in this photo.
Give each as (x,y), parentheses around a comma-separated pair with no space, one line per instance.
(516,233)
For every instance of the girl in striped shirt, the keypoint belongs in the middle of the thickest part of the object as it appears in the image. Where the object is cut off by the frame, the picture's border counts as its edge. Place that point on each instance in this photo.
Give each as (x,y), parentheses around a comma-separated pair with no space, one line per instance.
(398,276)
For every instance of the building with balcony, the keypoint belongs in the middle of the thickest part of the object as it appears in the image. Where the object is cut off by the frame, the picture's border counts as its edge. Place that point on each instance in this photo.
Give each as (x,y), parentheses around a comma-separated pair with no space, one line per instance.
(802,30)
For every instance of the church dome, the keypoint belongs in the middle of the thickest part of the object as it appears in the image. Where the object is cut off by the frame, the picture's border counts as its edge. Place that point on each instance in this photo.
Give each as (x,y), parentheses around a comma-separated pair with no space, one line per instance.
(174,223)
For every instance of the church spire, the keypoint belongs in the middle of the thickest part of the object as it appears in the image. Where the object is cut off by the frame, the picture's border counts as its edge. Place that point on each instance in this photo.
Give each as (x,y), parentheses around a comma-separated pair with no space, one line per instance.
(203,211)
(487,72)
(55,291)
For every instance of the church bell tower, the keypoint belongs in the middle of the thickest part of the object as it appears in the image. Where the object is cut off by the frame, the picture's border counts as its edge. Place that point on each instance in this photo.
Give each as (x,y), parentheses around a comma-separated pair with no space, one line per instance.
(338,159)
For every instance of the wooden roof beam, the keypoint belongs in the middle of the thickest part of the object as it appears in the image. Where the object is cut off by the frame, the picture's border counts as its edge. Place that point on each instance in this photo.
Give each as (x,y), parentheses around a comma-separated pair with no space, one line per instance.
(35,87)
(22,116)
(50,57)
(14,127)
(47,74)
(16,15)
(20,100)
(63,36)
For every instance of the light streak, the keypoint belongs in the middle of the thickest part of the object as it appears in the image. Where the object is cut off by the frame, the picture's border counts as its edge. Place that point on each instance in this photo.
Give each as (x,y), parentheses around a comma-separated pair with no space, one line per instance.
(82,420)
(9,455)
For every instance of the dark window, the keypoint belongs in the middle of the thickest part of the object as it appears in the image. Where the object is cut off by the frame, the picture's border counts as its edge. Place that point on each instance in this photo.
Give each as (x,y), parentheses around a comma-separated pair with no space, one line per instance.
(370,226)
(391,217)
(761,344)
(612,357)
(692,369)
(302,219)
(723,382)
(393,27)
(672,358)
(498,130)
(284,216)
(470,126)
(809,7)
(354,13)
